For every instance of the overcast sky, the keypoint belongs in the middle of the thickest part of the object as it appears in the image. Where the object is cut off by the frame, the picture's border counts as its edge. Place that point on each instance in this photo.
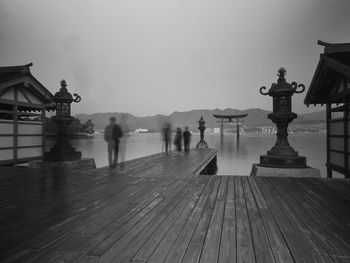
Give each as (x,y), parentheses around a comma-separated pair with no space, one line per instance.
(158,56)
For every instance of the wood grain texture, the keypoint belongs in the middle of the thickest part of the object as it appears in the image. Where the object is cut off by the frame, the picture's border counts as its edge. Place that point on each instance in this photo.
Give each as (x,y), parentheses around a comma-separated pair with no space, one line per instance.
(162,210)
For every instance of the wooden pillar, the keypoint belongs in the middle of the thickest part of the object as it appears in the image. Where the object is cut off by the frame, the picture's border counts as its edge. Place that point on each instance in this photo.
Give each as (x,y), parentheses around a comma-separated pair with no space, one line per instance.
(346,146)
(15,126)
(43,131)
(237,128)
(222,128)
(328,118)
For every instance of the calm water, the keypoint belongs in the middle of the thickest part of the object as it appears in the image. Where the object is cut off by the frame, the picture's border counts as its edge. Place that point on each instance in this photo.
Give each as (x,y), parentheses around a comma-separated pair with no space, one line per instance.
(234,158)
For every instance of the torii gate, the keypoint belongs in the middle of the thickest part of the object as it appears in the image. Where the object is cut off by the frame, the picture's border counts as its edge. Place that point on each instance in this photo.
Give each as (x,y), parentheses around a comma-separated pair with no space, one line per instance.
(229,119)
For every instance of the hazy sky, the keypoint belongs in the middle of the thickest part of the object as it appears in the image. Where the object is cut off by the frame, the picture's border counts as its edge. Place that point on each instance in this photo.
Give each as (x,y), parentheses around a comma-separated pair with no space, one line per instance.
(158,56)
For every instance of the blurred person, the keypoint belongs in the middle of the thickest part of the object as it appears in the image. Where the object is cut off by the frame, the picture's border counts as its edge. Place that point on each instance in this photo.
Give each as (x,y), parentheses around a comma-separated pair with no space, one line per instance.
(167,136)
(178,140)
(187,139)
(108,136)
(116,134)
(123,140)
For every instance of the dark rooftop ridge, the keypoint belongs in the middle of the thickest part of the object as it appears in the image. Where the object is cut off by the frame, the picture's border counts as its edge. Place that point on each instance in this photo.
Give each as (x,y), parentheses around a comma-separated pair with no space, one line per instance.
(334,47)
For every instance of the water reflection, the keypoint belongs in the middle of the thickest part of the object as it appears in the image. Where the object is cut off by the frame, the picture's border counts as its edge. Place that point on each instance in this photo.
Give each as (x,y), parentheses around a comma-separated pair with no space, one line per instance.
(51,183)
(234,157)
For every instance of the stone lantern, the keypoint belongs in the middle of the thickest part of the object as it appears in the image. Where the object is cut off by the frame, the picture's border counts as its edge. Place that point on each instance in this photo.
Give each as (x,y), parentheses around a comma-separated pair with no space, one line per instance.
(201,144)
(63,151)
(282,160)
(282,154)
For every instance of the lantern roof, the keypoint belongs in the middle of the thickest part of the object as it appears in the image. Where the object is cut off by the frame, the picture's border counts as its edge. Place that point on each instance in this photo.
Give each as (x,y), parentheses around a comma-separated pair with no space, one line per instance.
(282,84)
(282,87)
(63,94)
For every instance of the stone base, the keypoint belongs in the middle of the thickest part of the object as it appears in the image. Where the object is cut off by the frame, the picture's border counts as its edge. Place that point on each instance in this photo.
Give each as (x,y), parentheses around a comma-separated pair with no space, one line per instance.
(202,145)
(284,172)
(82,164)
(283,161)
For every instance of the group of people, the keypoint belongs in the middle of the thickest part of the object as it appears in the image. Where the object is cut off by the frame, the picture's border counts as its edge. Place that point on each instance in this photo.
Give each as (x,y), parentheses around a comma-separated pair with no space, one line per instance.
(116,137)
(180,137)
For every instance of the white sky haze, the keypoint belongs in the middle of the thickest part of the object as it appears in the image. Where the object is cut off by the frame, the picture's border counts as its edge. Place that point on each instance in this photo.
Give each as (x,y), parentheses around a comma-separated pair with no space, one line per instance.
(158,56)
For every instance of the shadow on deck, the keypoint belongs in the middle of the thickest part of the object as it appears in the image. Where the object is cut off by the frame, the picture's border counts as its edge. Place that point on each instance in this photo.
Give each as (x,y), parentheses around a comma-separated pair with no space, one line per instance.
(162,210)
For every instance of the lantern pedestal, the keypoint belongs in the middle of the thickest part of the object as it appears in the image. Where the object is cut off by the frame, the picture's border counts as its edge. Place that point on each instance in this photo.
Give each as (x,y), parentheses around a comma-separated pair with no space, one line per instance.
(258,170)
(282,155)
(283,161)
(202,145)
(63,150)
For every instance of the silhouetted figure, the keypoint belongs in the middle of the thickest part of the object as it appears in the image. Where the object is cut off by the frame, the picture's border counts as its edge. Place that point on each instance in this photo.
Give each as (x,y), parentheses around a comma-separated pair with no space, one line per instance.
(187,139)
(108,136)
(123,140)
(167,136)
(117,134)
(178,140)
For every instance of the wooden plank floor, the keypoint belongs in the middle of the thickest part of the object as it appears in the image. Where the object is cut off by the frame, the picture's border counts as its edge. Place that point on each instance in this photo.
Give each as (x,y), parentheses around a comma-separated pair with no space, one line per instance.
(162,210)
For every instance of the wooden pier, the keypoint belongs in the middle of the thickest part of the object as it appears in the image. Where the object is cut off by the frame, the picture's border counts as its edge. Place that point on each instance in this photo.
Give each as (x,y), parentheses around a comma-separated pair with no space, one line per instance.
(161,209)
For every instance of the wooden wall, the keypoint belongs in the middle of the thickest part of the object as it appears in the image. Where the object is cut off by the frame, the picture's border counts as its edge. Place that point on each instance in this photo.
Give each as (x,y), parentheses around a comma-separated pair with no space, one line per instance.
(22,118)
(338,140)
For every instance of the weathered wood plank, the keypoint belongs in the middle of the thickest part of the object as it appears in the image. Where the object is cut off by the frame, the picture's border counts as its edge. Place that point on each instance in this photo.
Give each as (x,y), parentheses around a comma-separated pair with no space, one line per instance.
(228,236)
(173,247)
(333,237)
(245,247)
(90,196)
(162,210)
(262,247)
(156,240)
(195,246)
(138,222)
(303,225)
(279,247)
(298,249)
(158,227)
(212,241)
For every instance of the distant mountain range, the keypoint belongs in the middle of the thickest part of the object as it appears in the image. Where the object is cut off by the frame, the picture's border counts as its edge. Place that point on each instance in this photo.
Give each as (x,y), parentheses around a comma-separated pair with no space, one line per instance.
(256,117)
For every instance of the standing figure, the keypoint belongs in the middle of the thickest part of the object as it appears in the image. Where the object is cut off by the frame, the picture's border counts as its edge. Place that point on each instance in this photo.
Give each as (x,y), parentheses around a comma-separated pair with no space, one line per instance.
(123,140)
(108,136)
(117,134)
(167,136)
(187,139)
(178,140)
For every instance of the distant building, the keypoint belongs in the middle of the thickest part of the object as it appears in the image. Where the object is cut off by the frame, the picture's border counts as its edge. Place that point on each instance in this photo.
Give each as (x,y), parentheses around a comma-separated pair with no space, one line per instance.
(23,103)
(253,130)
(140,130)
(268,129)
(217,130)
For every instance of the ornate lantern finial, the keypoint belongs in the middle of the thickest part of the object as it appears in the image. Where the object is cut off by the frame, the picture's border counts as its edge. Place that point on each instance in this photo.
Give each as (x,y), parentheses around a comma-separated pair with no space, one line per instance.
(63,84)
(282,72)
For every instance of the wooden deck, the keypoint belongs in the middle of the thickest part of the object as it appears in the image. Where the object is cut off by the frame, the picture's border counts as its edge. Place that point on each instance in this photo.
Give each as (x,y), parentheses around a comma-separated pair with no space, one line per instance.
(162,210)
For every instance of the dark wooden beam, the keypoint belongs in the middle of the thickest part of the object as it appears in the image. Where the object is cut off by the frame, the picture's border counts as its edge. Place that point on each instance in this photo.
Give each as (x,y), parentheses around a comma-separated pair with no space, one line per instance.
(346,146)
(4,90)
(25,95)
(15,126)
(328,119)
